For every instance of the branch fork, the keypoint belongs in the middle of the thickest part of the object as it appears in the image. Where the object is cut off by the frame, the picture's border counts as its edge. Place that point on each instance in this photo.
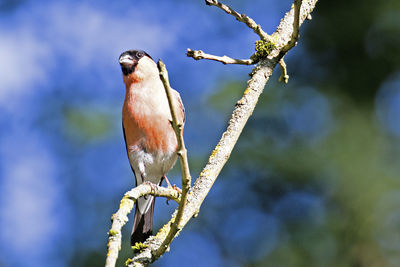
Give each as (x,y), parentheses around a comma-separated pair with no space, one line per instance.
(199,54)
(120,218)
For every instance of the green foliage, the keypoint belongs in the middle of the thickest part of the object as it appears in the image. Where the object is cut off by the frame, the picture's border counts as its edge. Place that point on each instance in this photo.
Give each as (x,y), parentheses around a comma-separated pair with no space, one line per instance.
(85,124)
(227,94)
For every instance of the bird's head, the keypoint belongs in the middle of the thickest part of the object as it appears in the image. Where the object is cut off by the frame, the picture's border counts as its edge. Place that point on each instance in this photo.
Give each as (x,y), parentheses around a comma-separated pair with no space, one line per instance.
(137,65)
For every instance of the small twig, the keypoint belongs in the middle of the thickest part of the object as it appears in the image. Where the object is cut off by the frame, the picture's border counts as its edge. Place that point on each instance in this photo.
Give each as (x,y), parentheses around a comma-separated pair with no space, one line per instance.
(242,18)
(182,153)
(284,76)
(296,19)
(120,218)
(199,54)
(296,26)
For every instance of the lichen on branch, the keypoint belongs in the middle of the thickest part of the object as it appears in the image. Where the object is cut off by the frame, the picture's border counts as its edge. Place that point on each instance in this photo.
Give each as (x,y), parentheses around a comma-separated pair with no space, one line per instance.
(263,49)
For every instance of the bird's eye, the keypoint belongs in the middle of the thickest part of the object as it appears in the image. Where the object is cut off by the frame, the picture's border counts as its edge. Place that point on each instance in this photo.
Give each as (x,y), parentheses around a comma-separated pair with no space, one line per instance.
(139,54)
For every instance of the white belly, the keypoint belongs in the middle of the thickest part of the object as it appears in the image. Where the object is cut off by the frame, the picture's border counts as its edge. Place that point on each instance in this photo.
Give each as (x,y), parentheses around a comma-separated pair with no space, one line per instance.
(149,167)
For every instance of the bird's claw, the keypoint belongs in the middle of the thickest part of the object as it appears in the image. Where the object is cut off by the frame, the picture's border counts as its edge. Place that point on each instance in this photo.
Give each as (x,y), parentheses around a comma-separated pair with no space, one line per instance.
(171,186)
(167,181)
(177,189)
(152,186)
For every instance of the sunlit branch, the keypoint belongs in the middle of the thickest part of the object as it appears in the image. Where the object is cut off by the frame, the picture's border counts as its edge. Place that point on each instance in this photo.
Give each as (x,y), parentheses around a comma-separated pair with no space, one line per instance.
(199,54)
(241,17)
(284,76)
(182,153)
(296,26)
(120,218)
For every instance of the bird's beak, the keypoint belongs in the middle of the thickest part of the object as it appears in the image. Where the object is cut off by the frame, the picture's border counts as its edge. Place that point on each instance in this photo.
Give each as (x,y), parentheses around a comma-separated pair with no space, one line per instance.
(126,60)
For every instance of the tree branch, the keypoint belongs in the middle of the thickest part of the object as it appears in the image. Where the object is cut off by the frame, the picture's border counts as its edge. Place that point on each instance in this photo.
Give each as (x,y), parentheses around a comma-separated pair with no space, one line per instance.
(241,17)
(243,110)
(296,26)
(182,153)
(284,76)
(120,218)
(199,54)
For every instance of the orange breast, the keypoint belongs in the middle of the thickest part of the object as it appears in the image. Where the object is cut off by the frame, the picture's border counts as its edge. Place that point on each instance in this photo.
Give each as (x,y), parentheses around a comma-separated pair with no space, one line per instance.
(149,131)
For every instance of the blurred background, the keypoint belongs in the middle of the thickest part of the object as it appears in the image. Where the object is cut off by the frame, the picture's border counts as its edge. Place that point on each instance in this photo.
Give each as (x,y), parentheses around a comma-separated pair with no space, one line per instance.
(313,181)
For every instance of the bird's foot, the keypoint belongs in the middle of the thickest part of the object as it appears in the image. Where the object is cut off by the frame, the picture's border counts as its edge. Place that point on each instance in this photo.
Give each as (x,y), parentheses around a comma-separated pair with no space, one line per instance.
(167,181)
(152,186)
(177,189)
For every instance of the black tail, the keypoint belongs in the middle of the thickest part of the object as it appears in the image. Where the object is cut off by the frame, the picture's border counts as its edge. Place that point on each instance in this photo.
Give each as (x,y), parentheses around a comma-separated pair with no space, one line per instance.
(142,225)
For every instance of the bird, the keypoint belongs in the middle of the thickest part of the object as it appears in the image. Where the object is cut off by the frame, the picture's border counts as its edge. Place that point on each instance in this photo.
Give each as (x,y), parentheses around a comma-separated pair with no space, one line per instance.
(150,140)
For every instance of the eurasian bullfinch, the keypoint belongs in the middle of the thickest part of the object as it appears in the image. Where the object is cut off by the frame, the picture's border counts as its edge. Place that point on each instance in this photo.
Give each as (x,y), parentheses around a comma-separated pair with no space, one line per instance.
(149,137)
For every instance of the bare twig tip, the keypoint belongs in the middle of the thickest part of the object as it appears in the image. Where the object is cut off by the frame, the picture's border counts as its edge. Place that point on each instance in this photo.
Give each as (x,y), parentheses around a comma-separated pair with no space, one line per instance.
(198,54)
